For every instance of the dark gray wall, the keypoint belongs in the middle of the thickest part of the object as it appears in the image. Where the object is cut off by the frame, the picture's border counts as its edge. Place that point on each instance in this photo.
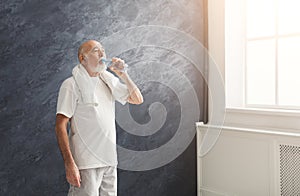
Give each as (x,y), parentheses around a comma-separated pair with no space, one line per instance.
(38,46)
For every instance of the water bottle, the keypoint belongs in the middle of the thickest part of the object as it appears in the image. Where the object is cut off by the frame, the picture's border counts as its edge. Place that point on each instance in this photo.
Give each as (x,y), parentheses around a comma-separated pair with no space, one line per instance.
(109,63)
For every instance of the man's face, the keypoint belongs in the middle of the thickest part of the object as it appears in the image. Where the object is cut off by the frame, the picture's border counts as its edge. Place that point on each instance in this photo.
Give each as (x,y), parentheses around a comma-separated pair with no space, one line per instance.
(93,55)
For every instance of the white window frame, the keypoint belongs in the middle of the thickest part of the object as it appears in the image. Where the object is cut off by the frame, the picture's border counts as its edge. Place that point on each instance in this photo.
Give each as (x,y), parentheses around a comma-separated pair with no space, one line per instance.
(236,112)
(276,37)
(236,93)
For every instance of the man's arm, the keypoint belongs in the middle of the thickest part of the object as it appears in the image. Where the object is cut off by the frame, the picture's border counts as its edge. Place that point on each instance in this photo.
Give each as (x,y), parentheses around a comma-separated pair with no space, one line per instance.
(72,172)
(135,96)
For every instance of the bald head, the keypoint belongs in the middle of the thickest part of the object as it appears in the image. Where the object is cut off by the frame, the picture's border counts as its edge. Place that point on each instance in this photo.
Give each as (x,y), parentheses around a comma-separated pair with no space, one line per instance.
(86,47)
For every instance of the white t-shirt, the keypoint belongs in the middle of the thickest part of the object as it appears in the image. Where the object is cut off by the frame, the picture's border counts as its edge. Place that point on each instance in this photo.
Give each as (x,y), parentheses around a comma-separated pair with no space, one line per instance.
(93,133)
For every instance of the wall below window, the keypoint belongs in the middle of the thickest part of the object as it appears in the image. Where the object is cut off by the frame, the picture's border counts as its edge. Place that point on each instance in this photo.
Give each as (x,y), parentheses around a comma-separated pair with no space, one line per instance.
(249,162)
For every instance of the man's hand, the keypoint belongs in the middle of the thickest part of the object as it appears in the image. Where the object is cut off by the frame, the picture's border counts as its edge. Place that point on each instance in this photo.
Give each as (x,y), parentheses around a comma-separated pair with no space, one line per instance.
(135,96)
(119,65)
(72,174)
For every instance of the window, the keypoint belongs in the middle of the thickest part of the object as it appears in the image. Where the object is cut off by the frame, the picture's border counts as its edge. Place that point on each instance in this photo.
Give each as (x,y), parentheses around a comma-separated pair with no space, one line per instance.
(262,55)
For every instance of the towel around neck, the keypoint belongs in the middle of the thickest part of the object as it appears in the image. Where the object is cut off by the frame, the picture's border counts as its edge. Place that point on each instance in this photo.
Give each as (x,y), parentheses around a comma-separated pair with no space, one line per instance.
(86,84)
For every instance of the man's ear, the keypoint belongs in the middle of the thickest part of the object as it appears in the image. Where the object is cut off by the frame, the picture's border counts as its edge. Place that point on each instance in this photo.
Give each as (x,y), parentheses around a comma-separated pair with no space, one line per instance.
(82,58)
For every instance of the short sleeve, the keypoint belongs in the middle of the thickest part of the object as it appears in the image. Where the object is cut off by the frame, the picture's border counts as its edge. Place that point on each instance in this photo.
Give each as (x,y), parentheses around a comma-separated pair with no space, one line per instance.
(67,100)
(119,90)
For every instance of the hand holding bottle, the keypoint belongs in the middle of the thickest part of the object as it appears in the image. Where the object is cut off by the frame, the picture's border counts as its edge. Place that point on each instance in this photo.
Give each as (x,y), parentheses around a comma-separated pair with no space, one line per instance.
(115,64)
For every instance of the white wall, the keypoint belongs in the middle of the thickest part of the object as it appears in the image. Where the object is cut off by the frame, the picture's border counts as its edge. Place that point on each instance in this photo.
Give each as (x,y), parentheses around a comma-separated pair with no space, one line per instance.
(216,32)
(216,37)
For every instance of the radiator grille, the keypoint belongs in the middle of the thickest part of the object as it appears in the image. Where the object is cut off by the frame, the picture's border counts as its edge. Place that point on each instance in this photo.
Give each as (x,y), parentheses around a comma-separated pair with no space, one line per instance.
(289,170)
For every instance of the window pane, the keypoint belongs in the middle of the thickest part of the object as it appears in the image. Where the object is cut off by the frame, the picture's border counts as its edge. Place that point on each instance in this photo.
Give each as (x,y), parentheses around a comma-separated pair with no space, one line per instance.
(260,18)
(288,16)
(289,71)
(260,71)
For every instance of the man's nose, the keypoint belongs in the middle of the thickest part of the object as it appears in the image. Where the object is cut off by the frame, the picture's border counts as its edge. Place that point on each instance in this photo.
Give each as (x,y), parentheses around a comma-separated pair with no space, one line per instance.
(100,54)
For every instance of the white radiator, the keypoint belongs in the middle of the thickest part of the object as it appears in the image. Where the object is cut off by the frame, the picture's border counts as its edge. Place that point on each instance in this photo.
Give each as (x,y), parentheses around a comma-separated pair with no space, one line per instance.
(289,170)
(247,162)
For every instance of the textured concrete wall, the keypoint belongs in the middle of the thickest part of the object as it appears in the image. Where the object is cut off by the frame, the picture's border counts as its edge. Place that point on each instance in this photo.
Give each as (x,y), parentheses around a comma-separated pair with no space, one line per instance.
(38,47)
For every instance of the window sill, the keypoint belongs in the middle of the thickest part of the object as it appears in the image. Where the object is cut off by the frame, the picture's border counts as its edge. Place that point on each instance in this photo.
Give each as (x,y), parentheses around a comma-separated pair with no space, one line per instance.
(263,111)
(284,120)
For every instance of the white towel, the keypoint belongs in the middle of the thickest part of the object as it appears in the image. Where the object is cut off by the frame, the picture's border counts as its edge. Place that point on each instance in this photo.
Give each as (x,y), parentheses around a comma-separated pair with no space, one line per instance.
(119,90)
(85,83)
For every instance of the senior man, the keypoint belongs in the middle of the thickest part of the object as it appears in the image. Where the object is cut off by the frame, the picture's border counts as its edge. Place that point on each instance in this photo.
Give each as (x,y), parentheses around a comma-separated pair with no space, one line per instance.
(87,100)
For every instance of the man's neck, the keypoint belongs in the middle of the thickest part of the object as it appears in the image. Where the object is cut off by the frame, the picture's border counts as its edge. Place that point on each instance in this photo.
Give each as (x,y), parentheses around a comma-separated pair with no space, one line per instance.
(94,74)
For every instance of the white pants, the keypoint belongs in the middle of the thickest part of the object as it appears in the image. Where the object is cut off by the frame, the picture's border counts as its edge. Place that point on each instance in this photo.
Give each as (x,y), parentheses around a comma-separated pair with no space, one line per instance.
(101,181)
